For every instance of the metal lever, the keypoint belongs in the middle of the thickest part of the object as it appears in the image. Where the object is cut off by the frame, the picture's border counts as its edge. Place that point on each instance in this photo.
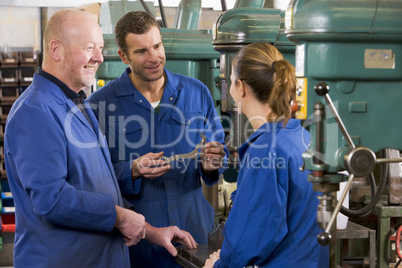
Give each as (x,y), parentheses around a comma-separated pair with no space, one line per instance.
(325,237)
(360,161)
(191,155)
(322,90)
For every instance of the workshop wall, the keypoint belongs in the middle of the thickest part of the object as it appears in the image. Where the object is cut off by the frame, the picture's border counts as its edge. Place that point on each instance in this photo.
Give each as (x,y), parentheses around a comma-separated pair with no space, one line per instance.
(20,27)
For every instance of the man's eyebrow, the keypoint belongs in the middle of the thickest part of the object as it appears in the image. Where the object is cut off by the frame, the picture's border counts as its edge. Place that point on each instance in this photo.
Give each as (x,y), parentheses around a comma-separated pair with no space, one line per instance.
(140,49)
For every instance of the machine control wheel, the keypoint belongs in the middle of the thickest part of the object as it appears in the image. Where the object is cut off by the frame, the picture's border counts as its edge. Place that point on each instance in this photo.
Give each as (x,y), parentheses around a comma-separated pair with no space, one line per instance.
(360,161)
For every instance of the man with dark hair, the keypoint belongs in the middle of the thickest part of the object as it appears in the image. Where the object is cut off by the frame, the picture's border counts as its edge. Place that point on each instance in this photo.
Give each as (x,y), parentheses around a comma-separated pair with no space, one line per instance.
(149,112)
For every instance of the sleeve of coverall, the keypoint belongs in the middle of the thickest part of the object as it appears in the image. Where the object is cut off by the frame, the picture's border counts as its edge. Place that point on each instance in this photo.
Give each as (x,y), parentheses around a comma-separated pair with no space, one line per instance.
(43,171)
(128,186)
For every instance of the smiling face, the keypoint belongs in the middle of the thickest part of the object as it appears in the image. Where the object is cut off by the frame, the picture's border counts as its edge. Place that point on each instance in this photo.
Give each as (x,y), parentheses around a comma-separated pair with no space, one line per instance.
(73,44)
(82,55)
(145,55)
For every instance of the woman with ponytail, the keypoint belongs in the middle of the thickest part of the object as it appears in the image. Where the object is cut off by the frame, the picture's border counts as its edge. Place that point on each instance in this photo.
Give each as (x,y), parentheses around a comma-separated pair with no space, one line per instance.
(273,219)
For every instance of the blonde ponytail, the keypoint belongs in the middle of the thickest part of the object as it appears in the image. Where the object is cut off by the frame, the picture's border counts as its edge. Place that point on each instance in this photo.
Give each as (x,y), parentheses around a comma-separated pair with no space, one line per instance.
(283,91)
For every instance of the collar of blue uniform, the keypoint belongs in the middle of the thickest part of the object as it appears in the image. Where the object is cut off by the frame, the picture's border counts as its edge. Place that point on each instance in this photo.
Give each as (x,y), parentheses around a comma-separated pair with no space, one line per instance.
(126,88)
(77,98)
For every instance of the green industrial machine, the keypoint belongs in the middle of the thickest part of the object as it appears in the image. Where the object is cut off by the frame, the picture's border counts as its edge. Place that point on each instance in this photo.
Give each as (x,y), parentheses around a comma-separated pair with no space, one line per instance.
(349,69)
(234,29)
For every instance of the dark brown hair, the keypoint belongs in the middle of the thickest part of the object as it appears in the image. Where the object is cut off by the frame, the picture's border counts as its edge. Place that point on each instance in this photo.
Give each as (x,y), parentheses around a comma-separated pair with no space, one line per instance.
(271,78)
(136,22)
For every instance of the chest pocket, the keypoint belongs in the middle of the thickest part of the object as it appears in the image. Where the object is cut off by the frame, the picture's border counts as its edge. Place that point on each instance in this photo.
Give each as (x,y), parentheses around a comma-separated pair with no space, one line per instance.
(186,129)
(131,132)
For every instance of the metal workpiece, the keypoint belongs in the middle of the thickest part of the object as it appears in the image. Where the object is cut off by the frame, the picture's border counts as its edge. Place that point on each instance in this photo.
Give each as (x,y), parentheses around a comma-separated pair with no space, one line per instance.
(195,258)
(191,155)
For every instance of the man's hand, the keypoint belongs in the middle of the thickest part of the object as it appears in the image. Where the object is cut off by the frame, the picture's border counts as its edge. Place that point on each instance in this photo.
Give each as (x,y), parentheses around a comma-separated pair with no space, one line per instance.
(166,235)
(209,263)
(131,225)
(149,166)
(213,156)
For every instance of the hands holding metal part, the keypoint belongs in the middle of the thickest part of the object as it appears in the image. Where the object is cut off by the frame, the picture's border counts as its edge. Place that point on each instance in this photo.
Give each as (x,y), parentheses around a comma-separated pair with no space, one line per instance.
(209,263)
(150,166)
(212,156)
(153,165)
(191,155)
(134,228)
(164,237)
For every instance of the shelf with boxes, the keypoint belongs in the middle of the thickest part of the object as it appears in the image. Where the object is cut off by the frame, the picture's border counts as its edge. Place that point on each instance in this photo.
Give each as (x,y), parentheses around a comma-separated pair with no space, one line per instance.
(7,210)
(17,69)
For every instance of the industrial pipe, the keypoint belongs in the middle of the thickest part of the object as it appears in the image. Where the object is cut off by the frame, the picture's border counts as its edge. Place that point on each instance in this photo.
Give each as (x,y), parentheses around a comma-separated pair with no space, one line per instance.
(188,15)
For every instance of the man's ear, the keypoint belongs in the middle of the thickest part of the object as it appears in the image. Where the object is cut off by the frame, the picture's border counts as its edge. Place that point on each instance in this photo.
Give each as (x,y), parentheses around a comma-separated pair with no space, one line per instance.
(56,50)
(123,56)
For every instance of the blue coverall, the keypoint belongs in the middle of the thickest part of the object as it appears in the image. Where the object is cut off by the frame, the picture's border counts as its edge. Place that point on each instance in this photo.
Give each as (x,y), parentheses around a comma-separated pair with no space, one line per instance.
(63,184)
(273,219)
(133,128)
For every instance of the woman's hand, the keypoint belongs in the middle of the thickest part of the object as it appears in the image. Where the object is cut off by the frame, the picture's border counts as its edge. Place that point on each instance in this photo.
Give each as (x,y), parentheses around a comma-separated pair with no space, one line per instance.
(209,263)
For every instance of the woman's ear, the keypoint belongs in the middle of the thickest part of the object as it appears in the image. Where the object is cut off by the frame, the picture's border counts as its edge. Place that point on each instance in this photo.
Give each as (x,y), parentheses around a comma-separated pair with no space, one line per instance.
(243,88)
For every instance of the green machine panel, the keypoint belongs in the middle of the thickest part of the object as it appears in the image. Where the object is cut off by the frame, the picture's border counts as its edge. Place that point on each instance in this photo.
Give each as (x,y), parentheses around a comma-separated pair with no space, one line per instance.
(349,71)
(355,48)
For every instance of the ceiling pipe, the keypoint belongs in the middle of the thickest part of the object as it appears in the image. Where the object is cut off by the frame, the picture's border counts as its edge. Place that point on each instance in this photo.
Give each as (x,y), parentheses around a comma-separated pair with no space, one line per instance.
(162,10)
(223,5)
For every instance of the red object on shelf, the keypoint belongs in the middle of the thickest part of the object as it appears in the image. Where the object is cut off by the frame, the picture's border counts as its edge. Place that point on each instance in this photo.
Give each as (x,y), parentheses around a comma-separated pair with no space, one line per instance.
(8,223)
